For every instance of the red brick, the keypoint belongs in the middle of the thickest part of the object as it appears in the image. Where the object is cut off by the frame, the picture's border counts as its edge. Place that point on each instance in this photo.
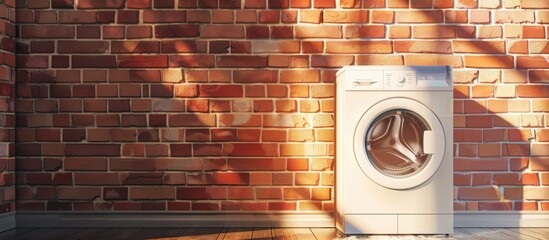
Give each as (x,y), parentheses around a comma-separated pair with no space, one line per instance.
(485,193)
(350,3)
(448,60)
(98,61)
(318,32)
(152,193)
(462,164)
(269,16)
(434,31)
(324,3)
(490,61)
(242,61)
(164,3)
(220,91)
(198,16)
(135,47)
(345,16)
(92,150)
(231,178)
(246,16)
(253,164)
(278,4)
(205,206)
(310,179)
(222,16)
(241,193)
(141,4)
(332,61)
(383,16)
(134,32)
(113,32)
(532,91)
(374,3)
(534,4)
(191,61)
(358,47)
(417,16)
(279,206)
(255,76)
(127,17)
(355,31)
(496,47)
(130,61)
(96,179)
(532,62)
(467,3)
(231,4)
(539,164)
(297,193)
(257,32)
(176,31)
(423,46)
(118,164)
(251,149)
(87,4)
(221,31)
(455,16)
(78,193)
(257,4)
(62,3)
(516,179)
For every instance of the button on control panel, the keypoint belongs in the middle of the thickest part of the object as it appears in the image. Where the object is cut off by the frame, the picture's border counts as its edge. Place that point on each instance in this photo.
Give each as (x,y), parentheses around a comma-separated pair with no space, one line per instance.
(399,80)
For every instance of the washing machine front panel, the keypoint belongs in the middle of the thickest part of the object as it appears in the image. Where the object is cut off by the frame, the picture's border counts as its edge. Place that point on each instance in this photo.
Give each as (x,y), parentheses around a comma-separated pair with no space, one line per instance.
(399,143)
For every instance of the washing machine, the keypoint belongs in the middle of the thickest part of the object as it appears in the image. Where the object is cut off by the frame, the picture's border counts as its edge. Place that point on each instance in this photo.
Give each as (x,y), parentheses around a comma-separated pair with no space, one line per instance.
(394,168)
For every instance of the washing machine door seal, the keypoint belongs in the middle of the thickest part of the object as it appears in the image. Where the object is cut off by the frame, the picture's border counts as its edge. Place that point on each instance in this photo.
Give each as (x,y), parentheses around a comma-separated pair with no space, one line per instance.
(399,143)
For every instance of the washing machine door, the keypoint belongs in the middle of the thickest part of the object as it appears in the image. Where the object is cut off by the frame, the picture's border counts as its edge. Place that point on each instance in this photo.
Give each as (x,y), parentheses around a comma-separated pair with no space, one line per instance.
(399,143)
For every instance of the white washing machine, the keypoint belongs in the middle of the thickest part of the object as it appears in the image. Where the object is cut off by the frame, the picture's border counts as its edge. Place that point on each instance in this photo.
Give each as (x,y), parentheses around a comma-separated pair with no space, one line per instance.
(394,170)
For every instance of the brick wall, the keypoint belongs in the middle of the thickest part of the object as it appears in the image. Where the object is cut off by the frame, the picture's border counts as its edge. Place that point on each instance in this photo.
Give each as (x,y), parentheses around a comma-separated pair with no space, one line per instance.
(228,104)
(7,105)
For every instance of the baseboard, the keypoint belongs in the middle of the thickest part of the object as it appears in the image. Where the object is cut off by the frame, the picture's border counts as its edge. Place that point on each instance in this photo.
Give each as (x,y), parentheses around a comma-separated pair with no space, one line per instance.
(244,219)
(501,219)
(174,219)
(7,221)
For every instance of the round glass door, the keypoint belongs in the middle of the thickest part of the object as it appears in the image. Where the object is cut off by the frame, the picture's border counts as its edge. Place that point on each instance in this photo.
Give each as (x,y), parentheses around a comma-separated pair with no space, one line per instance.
(394,143)
(399,143)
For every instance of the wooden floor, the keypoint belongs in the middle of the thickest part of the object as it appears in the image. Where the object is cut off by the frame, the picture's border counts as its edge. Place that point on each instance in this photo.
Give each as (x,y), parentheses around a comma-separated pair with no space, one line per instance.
(255,233)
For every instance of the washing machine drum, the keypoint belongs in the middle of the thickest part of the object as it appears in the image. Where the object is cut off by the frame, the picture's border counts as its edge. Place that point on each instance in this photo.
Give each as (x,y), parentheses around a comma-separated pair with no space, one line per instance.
(399,143)
(395,143)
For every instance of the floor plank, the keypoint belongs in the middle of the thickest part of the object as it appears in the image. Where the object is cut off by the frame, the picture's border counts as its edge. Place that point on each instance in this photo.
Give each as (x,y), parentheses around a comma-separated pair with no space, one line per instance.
(262,234)
(59,233)
(238,233)
(283,234)
(459,233)
(124,233)
(201,234)
(86,233)
(529,232)
(516,235)
(147,233)
(172,234)
(326,233)
(35,234)
(10,234)
(488,233)
(304,234)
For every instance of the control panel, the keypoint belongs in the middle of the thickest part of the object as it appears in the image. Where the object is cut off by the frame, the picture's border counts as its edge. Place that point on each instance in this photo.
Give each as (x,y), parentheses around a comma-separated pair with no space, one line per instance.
(399,80)
(371,78)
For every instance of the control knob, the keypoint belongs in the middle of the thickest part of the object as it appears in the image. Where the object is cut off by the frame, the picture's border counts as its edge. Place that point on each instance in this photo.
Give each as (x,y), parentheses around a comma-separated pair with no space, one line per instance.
(401,79)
